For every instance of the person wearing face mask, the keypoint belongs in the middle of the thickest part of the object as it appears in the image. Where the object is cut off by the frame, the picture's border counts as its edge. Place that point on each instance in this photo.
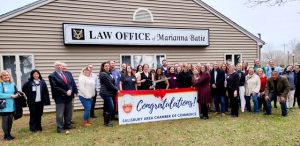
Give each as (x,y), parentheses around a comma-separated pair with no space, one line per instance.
(277,87)
(289,74)
(252,86)
(37,94)
(7,94)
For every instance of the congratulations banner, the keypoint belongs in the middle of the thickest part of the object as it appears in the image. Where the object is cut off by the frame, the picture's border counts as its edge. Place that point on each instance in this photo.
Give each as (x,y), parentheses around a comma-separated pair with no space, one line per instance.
(157,105)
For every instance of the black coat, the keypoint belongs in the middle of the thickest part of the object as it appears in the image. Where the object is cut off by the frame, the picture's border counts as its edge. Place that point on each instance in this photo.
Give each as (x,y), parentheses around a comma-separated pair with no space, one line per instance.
(20,102)
(59,88)
(108,88)
(27,89)
(184,80)
(220,90)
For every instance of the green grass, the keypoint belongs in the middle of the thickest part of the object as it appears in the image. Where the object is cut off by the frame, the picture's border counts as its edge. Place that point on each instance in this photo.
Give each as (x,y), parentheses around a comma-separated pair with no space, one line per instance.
(248,129)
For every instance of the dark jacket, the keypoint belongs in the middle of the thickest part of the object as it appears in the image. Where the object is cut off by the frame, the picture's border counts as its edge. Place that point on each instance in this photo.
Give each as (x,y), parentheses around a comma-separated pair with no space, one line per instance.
(283,86)
(59,88)
(27,89)
(220,90)
(20,102)
(73,84)
(107,85)
(242,76)
(184,80)
(233,81)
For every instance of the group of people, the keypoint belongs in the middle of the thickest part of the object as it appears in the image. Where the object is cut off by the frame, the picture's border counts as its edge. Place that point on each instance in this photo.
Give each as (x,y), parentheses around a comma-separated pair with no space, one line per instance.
(219,86)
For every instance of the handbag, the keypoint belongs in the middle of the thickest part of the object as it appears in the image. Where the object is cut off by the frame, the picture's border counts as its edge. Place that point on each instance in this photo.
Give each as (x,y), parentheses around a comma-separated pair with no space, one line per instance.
(2,101)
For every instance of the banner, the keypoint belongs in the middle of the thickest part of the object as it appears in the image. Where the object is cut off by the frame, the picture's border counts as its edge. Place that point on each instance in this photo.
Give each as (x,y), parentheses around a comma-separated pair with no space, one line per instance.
(157,105)
(120,35)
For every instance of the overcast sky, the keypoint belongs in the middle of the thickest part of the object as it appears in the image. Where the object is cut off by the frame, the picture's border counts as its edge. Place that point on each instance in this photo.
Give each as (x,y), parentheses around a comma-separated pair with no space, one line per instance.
(278,25)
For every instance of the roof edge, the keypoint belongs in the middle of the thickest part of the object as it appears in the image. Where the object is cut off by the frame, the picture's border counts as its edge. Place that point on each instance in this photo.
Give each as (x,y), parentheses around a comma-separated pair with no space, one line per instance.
(229,21)
(23,9)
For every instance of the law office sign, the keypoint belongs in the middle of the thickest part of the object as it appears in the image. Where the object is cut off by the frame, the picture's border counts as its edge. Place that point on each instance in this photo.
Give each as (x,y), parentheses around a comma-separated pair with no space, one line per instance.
(117,35)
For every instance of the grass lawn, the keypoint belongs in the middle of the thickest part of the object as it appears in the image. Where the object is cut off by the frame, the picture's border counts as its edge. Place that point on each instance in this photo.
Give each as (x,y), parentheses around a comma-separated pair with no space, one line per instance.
(248,129)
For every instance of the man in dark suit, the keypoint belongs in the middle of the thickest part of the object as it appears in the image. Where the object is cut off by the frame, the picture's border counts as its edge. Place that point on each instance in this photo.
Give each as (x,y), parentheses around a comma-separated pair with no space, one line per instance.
(217,87)
(165,67)
(73,84)
(62,93)
(277,86)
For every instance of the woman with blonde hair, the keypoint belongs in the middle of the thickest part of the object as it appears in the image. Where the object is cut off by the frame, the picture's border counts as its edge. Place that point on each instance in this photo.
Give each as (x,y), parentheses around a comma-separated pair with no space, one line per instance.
(263,83)
(87,87)
(241,86)
(7,95)
(233,90)
(252,87)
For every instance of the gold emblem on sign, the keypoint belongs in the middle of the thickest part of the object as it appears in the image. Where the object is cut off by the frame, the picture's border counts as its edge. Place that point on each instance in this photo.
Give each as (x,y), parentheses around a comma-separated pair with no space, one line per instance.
(78,34)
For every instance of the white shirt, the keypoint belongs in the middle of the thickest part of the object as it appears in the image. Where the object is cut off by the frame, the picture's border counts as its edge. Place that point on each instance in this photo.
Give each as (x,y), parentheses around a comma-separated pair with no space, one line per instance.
(37,87)
(87,86)
(97,81)
(216,73)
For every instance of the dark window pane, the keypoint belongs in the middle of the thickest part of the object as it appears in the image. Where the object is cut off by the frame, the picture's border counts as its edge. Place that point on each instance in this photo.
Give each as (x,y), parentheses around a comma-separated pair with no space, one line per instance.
(237,59)
(9,64)
(26,67)
(126,60)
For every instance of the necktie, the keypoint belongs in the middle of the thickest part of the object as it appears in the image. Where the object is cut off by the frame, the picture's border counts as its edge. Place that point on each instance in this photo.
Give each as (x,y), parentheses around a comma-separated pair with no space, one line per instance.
(64,78)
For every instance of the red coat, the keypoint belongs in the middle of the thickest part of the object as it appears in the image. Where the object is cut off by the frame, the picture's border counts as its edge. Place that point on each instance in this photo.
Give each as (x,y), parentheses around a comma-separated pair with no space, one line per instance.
(203,87)
(263,83)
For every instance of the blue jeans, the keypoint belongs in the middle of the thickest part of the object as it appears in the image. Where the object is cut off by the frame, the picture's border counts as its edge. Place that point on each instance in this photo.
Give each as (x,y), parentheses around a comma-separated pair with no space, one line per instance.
(219,100)
(87,103)
(108,104)
(255,102)
(272,96)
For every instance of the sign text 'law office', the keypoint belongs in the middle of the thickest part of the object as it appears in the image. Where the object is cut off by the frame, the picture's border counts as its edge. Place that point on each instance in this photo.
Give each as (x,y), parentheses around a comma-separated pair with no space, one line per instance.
(115,35)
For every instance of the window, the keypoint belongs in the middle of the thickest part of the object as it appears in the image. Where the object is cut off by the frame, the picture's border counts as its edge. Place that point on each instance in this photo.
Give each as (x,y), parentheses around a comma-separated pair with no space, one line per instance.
(233,59)
(142,15)
(154,60)
(19,67)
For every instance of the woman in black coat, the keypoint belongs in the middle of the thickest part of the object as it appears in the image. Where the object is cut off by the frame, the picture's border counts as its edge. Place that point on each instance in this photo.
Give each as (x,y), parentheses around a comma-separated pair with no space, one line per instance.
(108,92)
(37,96)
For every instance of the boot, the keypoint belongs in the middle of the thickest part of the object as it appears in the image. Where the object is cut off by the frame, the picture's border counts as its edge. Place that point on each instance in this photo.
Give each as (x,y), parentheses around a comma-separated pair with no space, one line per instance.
(108,120)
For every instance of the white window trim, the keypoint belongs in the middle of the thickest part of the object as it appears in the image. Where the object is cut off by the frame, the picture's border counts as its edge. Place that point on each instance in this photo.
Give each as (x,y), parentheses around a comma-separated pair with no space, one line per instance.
(18,69)
(232,57)
(131,57)
(142,9)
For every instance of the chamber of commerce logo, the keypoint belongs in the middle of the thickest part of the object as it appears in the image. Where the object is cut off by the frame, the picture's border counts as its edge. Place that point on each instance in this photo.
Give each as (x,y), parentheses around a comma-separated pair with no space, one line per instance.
(127,104)
(77,34)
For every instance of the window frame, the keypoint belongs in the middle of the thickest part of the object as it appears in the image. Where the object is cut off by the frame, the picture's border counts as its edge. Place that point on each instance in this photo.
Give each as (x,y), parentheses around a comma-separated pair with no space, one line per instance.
(232,57)
(18,67)
(142,9)
(148,54)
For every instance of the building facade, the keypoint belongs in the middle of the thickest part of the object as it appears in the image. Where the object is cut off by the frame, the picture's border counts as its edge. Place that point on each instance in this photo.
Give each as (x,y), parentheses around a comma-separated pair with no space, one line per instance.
(35,36)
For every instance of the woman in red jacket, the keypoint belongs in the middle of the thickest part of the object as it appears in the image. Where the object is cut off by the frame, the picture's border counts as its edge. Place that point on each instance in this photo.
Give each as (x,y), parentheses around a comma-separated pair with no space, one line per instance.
(263,83)
(203,86)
